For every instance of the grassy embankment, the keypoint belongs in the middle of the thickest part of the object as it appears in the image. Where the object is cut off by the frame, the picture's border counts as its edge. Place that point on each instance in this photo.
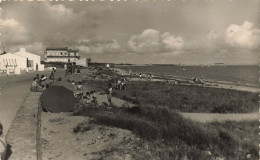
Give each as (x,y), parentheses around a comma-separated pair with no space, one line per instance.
(177,137)
(186,98)
(171,136)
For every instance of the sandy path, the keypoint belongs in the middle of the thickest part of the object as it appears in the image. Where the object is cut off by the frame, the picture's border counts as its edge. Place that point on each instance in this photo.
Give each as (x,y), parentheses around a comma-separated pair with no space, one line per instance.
(211,117)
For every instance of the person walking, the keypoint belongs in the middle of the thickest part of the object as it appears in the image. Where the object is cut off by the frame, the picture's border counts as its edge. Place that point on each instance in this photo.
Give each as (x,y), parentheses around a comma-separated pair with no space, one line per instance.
(109,94)
(37,66)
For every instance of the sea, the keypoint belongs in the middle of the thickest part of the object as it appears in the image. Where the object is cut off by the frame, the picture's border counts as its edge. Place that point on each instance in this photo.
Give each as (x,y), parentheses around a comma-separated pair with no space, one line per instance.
(240,74)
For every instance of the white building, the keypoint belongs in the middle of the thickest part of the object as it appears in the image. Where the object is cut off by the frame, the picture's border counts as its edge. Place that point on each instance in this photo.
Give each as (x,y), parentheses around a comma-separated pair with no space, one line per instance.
(32,59)
(61,54)
(12,61)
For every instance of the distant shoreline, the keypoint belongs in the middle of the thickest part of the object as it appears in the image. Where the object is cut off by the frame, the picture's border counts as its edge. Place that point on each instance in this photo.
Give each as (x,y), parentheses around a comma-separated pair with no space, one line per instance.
(186,65)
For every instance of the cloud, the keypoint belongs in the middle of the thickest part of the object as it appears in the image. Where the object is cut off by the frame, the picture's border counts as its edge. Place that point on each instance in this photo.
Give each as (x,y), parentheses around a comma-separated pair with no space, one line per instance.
(152,41)
(35,48)
(243,36)
(99,47)
(13,32)
(212,35)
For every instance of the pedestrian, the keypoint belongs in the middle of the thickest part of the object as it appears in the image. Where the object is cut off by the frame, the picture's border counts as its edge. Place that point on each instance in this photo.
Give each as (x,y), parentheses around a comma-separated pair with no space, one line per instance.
(73,67)
(37,66)
(109,94)
(78,71)
(52,74)
(3,143)
(94,98)
(65,66)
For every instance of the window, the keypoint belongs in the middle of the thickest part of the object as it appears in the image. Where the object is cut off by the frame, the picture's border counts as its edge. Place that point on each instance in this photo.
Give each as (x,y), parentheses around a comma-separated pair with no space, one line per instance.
(61,53)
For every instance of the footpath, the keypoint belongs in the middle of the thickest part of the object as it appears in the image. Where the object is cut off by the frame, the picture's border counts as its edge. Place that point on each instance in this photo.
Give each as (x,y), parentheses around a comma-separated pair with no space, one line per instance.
(23,134)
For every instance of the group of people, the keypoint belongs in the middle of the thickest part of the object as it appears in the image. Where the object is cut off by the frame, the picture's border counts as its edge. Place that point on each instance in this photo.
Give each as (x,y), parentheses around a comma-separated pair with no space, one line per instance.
(121,83)
(197,80)
(84,97)
(71,68)
(40,83)
(90,97)
(148,77)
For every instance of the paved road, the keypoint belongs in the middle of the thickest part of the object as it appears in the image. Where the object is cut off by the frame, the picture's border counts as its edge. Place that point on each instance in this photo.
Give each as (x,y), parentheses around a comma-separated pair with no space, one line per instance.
(14,90)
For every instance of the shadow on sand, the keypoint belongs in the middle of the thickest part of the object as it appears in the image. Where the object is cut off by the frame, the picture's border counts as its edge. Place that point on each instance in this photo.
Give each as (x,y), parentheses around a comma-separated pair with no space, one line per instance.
(8,151)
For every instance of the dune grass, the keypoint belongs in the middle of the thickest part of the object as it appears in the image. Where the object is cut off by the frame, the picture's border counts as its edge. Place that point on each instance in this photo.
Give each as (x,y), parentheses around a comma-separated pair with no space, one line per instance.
(185,98)
(190,98)
(170,136)
(167,128)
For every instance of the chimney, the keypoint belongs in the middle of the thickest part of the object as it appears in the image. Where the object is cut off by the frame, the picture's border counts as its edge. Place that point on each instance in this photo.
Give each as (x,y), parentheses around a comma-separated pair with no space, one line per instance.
(22,50)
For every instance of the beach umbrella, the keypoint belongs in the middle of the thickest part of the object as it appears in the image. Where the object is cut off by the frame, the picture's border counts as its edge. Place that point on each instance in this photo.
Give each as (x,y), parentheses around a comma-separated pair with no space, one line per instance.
(58,99)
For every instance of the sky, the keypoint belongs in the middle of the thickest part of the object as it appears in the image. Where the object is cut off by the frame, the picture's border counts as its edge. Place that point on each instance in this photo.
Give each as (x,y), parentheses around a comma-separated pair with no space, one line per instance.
(138,32)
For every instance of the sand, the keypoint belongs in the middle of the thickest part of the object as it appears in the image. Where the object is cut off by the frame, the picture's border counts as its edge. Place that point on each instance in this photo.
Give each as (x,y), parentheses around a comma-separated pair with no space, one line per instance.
(59,142)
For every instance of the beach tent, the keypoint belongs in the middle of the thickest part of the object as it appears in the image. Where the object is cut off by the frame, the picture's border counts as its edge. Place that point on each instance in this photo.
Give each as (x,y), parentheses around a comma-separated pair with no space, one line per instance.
(33,59)
(12,61)
(58,99)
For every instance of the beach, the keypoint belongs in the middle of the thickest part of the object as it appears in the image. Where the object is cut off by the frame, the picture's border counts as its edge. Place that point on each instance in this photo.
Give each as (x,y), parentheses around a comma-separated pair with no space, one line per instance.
(93,132)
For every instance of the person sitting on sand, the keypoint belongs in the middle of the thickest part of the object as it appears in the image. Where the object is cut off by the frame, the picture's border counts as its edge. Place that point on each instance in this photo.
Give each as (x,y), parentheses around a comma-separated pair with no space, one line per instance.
(34,86)
(197,80)
(38,77)
(109,94)
(118,84)
(200,80)
(140,75)
(43,82)
(79,87)
(3,143)
(86,98)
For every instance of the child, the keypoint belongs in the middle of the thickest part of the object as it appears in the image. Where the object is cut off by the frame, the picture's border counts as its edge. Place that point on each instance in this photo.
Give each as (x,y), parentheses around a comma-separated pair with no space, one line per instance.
(109,94)
(94,98)
(3,144)
(79,87)
(73,83)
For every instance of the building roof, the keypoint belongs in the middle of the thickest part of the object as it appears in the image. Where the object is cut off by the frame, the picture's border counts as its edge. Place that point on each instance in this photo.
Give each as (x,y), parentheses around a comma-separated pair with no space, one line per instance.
(8,55)
(23,53)
(56,48)
(73,50)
